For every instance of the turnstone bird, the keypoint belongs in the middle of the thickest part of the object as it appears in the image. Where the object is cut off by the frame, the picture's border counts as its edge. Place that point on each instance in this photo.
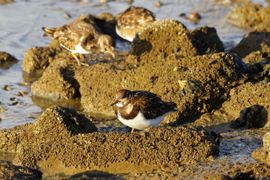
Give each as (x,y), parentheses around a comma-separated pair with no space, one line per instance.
(81,36)
(132,21)
(141,109)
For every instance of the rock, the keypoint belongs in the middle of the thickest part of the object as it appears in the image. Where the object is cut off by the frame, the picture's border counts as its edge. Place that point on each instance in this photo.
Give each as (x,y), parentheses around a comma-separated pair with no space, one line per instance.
(257,43)
(94,175)
(63,121)
(174,146)
(176,36)
(10,171)
(250,15)
(62,136)
(252,117)
(57,82)
(6,59)
(99,83)
(207,40)
(2,2)
(55,123)
(262,154)
(248,95)
(37,59)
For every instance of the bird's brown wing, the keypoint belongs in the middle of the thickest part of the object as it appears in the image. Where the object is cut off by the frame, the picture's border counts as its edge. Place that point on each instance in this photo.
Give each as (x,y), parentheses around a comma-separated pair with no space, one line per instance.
(151,105)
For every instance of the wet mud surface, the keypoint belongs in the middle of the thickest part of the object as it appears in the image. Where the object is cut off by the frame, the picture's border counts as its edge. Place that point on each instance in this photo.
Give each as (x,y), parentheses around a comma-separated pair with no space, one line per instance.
(220,85)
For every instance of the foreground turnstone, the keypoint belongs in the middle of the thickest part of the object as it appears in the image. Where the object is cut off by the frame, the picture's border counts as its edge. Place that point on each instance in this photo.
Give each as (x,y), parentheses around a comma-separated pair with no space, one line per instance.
(141,109)
(81,36)
(132,21)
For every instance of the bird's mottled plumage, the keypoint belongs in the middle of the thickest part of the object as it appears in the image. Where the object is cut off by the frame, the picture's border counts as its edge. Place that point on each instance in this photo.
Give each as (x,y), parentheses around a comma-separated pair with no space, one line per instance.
(132,21)
(81,36)
(141,106)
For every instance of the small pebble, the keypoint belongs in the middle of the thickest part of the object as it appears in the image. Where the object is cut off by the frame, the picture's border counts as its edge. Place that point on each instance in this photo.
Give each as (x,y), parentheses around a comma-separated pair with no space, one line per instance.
(67,15)
(194,17)
(157,4)
(2,109)
(129,1)
(7,88)
(103,1)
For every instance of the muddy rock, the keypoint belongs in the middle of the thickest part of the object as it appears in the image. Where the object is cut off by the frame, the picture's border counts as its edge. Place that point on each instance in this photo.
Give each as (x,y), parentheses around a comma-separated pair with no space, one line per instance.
(10,171)
(246,98)
(174,34)
(178,40)
(254,47)
(250,15)
(207,41)
(37,59)
(252,117)
(6,59)
(192,83)
(60,135)
(57,81)
(63,121)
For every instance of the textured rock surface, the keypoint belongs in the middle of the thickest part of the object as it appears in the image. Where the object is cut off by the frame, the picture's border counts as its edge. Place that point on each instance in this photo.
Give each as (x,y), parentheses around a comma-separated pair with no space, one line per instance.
(61,135)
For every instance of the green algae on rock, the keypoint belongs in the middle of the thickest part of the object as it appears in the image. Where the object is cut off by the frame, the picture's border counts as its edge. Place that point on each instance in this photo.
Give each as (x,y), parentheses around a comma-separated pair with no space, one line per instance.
(10,171)
(59,135)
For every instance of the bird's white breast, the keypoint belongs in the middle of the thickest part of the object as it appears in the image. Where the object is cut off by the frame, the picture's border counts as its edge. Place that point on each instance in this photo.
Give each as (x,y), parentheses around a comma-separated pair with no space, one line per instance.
(140,122)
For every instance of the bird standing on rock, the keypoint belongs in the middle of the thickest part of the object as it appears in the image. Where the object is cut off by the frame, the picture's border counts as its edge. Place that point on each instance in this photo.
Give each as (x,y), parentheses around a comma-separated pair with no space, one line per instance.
(81,36)
(141,109)
(132,21)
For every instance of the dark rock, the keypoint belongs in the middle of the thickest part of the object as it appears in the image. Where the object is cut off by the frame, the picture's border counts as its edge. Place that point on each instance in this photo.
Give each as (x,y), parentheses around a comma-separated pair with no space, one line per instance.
(7,60)
(10,171)
(255,116)
(207,41)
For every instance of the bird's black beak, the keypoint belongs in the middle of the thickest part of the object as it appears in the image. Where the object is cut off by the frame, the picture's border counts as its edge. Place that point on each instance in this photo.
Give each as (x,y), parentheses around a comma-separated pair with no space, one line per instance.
(114,103)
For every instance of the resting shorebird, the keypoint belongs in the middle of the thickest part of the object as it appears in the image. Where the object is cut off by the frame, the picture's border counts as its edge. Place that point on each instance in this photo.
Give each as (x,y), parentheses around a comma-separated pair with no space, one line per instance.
(81,36)
(141,109)
(132,21)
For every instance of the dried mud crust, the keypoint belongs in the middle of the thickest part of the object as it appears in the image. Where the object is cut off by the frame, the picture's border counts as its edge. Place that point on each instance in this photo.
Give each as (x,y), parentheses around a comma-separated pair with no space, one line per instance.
(250,15)
(10,171)
(62,135)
